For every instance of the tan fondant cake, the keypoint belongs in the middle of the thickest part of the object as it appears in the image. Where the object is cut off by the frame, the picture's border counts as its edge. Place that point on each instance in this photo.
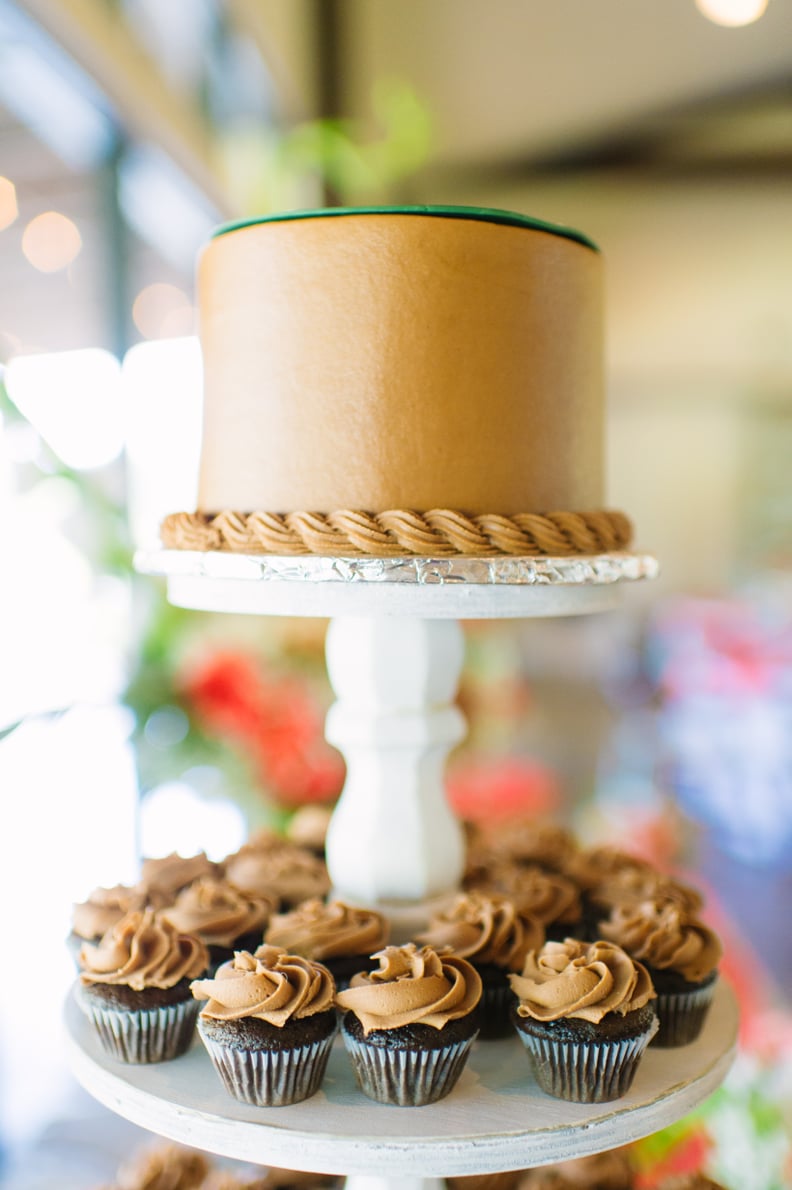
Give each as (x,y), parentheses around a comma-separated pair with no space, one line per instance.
(444,362)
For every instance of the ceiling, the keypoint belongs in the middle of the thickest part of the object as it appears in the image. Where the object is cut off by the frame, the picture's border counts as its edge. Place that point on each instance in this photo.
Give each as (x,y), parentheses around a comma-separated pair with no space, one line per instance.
(515,83)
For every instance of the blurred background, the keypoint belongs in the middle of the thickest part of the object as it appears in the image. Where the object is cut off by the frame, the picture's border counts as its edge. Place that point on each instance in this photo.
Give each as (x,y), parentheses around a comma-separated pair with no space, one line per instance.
(128,130)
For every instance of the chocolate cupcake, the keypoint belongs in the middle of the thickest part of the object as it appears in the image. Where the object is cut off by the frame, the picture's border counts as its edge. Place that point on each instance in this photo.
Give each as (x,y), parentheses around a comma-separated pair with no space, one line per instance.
(485,1181)
(536,843)
(591,865)
(489,932)
(343,937)
(681,954)
(307,828)
(630,885)
(291,1179)
(222,916)
(268,1025)
(163,877)
(135,987)
(611,1170)
(548,897)
(409,1025)
(608,876)
(584,1015)
(92,918)
(270,867)
(164,1167)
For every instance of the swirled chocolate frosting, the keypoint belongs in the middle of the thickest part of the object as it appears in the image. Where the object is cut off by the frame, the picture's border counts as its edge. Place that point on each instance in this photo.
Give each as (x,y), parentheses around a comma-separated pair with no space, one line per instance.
(412,986)
(664,936)
(143,950)
(328,931)
(547,896)
(281,869)
(168,874)
(104,907)
(218,912)
(164,1167)
(610,1170)
(270,985)
(593,866)
(583,980)
(484,929)
(544,843)
(631,885)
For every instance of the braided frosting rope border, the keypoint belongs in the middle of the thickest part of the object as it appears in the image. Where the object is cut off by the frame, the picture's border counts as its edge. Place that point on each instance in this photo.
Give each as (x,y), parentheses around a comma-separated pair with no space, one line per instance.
(439,533)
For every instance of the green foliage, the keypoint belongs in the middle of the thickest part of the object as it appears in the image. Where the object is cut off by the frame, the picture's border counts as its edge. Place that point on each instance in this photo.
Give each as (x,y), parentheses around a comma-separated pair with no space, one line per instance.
(284,169)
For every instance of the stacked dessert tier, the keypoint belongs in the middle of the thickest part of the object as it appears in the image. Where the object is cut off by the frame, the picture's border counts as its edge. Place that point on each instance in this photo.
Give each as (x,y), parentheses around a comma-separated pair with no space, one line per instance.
(483,1016)
(587,955)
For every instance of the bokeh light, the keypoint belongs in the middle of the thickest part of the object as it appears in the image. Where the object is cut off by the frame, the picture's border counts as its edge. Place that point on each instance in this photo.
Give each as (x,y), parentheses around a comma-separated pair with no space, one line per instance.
(8,203)
(732,12)
(51,241)
(163,311)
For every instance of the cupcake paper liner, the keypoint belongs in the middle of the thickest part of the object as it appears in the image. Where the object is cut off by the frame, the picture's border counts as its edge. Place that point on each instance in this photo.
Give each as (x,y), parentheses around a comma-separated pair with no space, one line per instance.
(682,1015)
(148,1035)
(494,1011)
(405,1077)
(586,1072)
(270,1078)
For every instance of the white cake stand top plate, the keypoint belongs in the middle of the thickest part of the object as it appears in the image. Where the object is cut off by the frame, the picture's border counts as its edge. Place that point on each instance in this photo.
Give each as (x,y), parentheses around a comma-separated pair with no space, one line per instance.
(495,1119)
(457,588)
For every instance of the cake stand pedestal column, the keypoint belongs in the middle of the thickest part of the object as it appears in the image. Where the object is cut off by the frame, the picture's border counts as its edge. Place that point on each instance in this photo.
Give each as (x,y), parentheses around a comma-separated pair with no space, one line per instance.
(392,837)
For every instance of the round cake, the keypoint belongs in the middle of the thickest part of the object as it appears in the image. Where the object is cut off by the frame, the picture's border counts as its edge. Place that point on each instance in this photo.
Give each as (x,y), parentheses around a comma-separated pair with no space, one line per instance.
(401,380)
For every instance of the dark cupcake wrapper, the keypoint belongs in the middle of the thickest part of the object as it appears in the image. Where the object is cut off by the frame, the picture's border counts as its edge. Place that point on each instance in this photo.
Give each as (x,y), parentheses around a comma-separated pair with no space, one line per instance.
(407,1077)
(557,931)
(682,1015)
(144,1035)
(494,1010)
(270,1077)
(586,1072)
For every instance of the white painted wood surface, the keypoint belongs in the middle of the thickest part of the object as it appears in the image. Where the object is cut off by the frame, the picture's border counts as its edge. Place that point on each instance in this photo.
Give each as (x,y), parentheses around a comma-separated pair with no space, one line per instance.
(495,1118)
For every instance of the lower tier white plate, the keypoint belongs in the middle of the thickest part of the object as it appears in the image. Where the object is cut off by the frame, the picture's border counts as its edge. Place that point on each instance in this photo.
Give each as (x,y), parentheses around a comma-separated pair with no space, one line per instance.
(495,1119)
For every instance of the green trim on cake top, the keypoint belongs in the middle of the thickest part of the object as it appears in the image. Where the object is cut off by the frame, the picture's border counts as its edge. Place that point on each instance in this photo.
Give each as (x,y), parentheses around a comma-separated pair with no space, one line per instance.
(483,214)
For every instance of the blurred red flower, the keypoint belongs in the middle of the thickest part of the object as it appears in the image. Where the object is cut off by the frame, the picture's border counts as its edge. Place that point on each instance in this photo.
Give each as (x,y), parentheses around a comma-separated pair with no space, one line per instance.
(688,1154)
(276,721)
(486,790)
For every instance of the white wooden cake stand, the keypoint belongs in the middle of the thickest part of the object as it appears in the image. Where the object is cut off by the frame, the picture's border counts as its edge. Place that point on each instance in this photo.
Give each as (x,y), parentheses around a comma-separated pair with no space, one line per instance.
(394,654)
(495,1119)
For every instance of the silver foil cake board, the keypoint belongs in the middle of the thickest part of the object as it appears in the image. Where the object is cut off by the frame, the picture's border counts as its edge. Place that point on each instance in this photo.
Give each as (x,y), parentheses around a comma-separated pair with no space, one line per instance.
(459,588)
